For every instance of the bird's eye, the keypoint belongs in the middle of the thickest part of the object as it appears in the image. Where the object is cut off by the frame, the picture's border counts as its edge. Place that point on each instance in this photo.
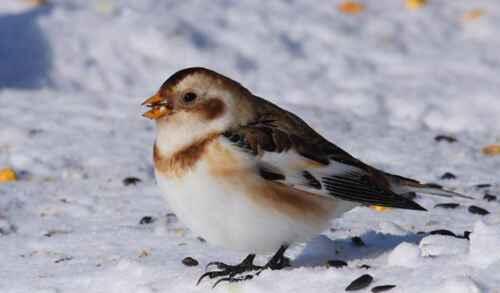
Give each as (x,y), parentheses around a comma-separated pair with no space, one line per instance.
(189,97)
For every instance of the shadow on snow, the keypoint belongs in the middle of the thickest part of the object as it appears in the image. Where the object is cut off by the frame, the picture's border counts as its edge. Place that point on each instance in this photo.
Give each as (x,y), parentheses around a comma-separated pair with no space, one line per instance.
(24,52)
(321,249)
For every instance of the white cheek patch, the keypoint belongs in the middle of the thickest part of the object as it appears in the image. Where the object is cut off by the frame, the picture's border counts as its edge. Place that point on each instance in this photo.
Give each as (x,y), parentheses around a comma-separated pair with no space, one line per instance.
(183,128)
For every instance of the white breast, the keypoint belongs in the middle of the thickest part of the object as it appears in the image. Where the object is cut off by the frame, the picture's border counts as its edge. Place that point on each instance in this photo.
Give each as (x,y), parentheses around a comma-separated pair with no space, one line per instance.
(222,210)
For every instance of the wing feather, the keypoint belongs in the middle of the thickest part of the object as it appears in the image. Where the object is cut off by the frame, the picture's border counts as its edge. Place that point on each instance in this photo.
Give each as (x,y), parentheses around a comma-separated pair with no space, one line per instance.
(290,152)
(336,180)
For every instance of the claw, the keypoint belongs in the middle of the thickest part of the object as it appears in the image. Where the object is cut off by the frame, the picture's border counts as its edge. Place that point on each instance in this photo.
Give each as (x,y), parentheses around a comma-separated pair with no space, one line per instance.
(232,280)
(218,264)
(202,277)
(236,273)
(229,270)
(211,275)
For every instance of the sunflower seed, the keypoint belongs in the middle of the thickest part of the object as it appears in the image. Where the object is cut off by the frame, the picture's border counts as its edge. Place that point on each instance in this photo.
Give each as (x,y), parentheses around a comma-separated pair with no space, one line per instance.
(146,220)
(336,263)
(489,197)
(477,210)
(447,138)
(443,232)
(189,261)
(448,205)
(131,181)
(382,288)
(448,176)
(360,283)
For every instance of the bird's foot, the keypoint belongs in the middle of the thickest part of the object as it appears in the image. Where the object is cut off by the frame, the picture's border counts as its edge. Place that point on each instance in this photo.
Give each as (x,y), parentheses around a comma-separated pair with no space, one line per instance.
(231,273)
(246,270)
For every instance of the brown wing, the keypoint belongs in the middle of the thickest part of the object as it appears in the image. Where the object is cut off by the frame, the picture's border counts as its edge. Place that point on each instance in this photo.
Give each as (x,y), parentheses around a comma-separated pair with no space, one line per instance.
(291,152)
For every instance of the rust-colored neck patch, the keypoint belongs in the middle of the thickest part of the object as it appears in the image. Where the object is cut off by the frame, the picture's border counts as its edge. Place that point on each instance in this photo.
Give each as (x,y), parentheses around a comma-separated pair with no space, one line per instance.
(183,160)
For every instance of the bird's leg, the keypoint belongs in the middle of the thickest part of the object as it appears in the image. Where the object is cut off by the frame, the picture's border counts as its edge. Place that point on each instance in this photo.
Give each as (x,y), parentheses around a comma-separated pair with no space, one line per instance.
(235,273)
(279,260)
(231,270)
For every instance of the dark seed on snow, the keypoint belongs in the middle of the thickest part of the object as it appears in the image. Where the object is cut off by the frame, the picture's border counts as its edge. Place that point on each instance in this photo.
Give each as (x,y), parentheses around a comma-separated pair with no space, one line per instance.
(486,185)
(131,181)
(447,138)
(478,211)
(146,220)
(489,197)
(360,283)
(189,261)
(23,174)
(448,176)
(33,132)
(467,235)
(357,241)
(66,258)
(336,263)
(448,205)
(382,288)
(443,232)
(171,218)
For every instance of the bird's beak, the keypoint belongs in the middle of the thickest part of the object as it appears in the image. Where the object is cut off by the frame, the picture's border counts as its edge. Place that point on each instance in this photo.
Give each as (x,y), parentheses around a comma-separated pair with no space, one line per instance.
(159,107)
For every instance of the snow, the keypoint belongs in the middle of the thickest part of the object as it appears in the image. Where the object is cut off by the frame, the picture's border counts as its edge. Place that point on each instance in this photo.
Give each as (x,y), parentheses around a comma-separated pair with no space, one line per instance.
(486,238)
(404,255)
(381,84)
(460,285)
(437,245)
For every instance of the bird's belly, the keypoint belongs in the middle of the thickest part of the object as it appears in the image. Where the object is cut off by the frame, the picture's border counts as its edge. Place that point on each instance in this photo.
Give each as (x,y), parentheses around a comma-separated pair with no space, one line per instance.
(227,215)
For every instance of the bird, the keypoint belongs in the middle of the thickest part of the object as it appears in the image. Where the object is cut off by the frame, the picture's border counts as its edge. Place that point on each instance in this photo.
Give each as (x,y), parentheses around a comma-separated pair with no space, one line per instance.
(247,175)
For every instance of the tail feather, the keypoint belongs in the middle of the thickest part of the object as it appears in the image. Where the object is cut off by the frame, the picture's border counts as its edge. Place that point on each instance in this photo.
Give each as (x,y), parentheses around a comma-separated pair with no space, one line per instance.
(439,191)
(402,185)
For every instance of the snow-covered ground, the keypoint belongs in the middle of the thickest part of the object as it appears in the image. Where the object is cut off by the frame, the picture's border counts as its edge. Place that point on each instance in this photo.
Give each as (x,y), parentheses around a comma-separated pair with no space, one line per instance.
(381,84)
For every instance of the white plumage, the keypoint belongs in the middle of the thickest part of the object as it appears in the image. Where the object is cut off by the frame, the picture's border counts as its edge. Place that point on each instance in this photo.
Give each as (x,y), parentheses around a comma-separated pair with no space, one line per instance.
(222,211)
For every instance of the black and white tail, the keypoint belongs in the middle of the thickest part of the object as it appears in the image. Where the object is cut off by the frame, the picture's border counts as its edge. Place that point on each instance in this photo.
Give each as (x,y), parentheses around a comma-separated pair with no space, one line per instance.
(402,186)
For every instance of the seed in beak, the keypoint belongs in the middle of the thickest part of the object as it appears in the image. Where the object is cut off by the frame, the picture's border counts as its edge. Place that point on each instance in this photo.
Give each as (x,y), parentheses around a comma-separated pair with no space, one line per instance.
(153,101)
(157,112)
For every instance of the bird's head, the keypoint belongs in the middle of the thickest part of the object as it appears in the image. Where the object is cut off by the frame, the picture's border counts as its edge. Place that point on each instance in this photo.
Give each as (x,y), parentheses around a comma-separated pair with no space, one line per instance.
(195,102)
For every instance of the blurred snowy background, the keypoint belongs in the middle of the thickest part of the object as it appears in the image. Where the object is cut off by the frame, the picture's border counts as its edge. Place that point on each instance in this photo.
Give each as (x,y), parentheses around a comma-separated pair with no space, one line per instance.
(380,78)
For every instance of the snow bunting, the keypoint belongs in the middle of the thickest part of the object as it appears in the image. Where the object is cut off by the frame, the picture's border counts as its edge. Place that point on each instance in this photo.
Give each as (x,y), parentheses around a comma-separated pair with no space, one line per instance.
(245,174)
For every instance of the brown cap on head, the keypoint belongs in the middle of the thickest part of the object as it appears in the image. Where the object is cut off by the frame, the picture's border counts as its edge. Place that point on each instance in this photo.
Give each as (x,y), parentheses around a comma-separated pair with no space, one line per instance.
(182,74)
(175,78)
